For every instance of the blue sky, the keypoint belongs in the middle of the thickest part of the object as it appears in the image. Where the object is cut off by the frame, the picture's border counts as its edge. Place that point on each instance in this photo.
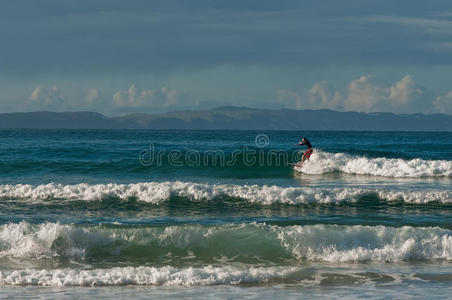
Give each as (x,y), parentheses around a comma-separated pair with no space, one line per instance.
(116,57)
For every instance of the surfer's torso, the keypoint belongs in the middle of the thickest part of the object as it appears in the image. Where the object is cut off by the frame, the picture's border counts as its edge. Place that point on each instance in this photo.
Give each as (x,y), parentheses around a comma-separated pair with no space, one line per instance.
(307,144)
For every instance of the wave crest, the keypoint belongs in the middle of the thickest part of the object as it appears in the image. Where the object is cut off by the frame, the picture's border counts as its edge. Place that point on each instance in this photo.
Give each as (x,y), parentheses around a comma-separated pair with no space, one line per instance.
(158,192)
(231,243)
(167,276)
(323,162)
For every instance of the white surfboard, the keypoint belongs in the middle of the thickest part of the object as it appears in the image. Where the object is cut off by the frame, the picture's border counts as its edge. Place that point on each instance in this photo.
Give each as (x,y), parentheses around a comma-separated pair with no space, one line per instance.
(295,165)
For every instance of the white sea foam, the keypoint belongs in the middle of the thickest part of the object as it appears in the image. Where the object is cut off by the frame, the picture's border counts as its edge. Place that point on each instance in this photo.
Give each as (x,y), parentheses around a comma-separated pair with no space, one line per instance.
(339,244)
(167,276)
(323,162)
(37,241)
(157,192)
(48,240)
(325,243)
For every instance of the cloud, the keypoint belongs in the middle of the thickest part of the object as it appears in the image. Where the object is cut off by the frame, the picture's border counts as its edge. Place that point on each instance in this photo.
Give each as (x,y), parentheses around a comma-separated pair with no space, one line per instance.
(45,98)
(406,96)
(75,36)
(404,90)
(290,99)
(134,97)
(319,96)
(432,24)
(443,103)
(93,95)
(322,97)
(366,94)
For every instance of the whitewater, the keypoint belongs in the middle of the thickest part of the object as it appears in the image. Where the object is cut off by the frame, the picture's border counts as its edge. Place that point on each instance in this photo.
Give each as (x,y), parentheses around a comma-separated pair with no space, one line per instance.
(326,243)
(324,162)
(158,192)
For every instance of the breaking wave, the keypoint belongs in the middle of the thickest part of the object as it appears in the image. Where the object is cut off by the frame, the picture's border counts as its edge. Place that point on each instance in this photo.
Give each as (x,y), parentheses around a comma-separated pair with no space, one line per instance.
(166,276)
(231,243)
(158,192)
(325,162)
(169,276)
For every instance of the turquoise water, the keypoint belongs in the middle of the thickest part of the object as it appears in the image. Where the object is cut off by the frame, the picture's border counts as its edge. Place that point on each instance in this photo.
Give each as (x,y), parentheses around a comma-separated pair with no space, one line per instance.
(122,213)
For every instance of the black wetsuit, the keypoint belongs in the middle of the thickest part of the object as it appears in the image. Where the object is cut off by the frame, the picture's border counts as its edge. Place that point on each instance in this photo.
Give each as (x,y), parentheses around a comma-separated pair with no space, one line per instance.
(307,143)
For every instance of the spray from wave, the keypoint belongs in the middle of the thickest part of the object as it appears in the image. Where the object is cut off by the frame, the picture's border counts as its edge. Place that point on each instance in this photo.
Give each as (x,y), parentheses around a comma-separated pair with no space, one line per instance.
(166,276)
(169,276)
(159,192)
(217,244)
(323,162)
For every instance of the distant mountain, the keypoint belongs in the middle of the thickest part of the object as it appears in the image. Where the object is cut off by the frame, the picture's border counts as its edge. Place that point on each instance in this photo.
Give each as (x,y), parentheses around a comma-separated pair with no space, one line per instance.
(233,118)
(47,119)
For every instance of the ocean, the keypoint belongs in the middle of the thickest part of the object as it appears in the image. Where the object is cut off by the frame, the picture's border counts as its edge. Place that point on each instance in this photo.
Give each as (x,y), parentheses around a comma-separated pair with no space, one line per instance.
(219,214)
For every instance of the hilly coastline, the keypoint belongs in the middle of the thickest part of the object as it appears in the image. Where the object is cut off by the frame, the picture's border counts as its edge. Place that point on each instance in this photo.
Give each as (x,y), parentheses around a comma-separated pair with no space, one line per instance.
(232,118)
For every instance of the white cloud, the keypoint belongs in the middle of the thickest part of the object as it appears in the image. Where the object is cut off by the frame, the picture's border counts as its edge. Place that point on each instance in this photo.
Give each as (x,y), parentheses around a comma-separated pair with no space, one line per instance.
(443,103)
(135,97)
(320,96)
(45,98)
(402,91)
(35,95)
(289,99)
(365,94)
(429,24)
(93,95)
(407,97)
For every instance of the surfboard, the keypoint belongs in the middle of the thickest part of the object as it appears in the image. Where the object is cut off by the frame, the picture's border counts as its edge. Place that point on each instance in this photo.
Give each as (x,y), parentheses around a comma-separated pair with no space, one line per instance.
(294,165)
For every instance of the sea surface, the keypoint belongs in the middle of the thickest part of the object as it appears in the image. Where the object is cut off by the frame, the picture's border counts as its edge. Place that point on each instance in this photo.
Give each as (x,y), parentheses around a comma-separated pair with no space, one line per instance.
(219,214)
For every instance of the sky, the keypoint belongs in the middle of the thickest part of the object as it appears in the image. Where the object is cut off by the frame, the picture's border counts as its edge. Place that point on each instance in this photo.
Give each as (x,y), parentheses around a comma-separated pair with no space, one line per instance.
(117,57)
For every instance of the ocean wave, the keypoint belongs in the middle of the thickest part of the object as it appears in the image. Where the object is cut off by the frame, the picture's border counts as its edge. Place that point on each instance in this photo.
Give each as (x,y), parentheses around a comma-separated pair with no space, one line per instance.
(166,276)
(160,192)
(323,162)
(340,244)
(240,243)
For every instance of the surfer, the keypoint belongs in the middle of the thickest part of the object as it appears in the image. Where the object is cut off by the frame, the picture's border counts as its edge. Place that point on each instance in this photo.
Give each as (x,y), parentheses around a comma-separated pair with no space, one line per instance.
(308,152)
